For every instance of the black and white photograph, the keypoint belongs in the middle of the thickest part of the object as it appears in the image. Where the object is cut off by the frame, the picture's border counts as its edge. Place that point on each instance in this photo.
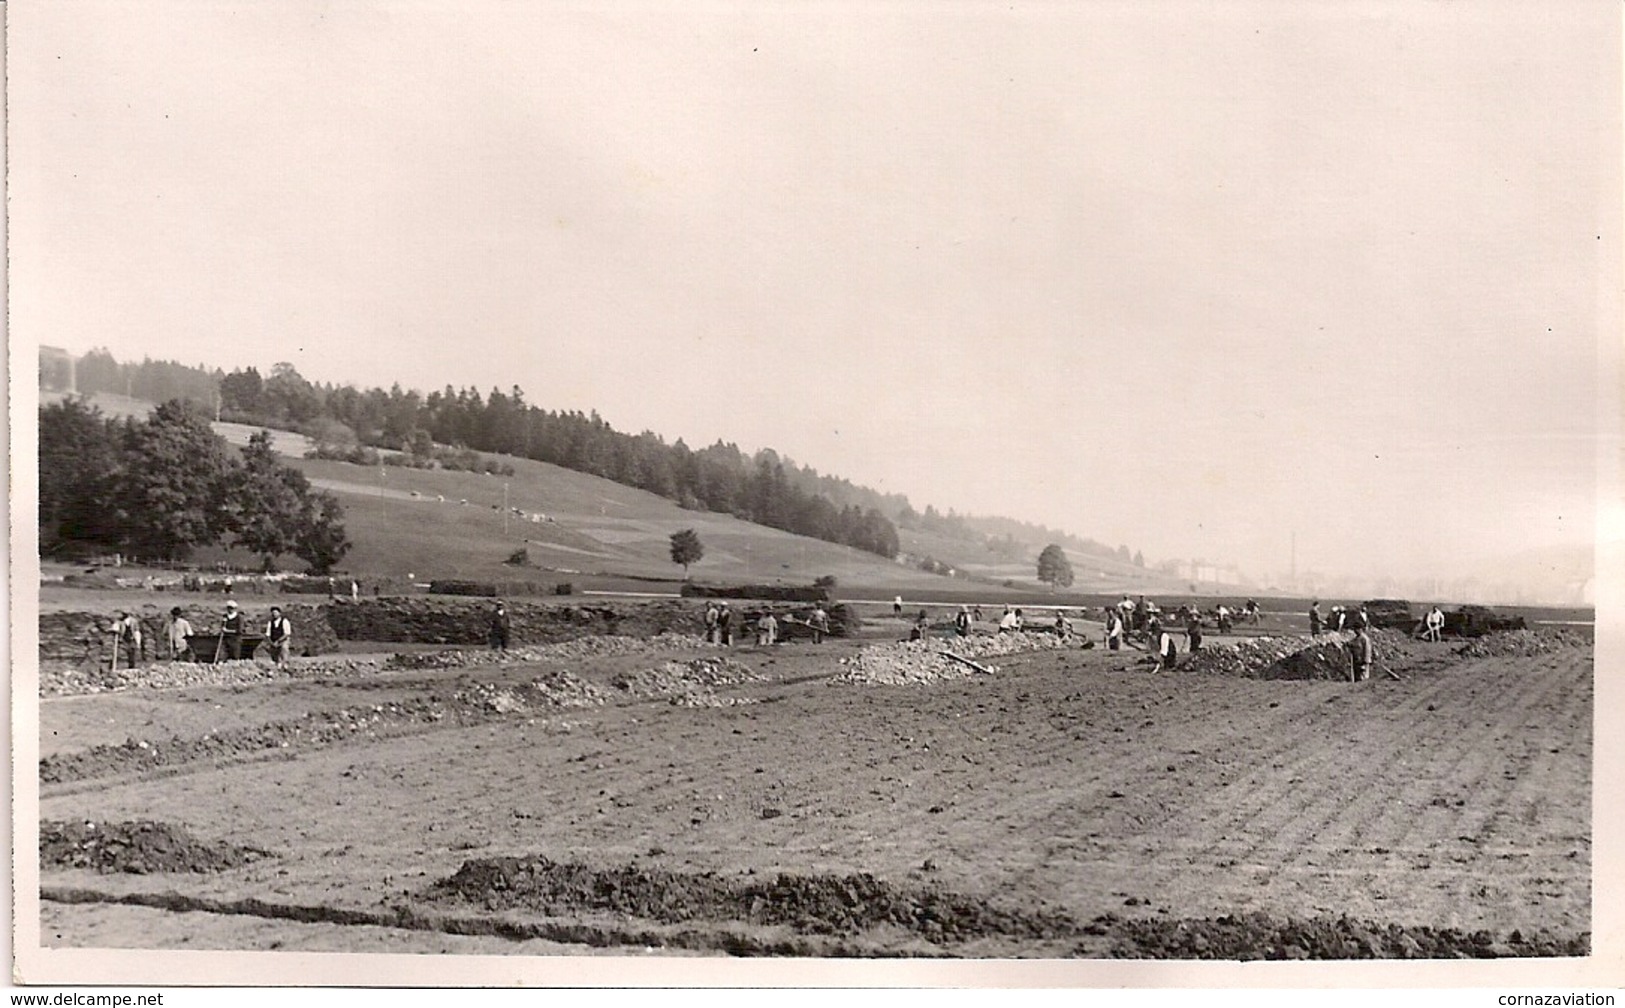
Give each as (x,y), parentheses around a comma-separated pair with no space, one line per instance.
(968,494)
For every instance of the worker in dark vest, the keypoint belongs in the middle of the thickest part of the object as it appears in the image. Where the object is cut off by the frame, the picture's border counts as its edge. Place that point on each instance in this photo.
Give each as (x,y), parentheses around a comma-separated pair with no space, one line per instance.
(126,640)
(725,630)
(278,635)
(962,622)
(231,633)
(500,628)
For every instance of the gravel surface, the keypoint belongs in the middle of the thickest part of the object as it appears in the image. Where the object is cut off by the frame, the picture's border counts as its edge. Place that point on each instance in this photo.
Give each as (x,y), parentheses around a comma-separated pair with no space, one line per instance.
(572,650)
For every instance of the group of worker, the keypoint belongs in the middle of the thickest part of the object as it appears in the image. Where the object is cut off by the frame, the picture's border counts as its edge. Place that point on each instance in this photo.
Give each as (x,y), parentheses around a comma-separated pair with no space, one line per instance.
(129,648)
(718,624)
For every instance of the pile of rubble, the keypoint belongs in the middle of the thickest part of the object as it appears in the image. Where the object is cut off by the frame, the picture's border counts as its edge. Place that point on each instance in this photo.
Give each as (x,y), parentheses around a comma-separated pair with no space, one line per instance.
(73,680)
(689,683)
(925,661)
(139,847)
(555,689)
(1522,643)
(572,650)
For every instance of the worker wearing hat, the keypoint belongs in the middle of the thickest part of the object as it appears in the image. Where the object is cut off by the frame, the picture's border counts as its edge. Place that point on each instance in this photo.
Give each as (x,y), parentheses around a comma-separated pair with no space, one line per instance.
(231,632)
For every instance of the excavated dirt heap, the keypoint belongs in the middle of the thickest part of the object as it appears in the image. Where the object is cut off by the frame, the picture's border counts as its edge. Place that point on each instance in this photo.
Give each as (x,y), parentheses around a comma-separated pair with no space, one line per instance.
(812,904)
(573,650)
(1260,936)
(59,680)
(919,662)
(140,847)
(689,683)
(1522,643)
(1325,657)
(473,704)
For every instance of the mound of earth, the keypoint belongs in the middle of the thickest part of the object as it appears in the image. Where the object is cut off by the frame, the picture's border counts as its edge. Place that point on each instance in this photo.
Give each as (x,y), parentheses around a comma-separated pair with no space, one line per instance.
(1521,643)
(1327,657)
(811,904)
(58,680)
(140,847)
(924,661)
(1260,936)
(689,683)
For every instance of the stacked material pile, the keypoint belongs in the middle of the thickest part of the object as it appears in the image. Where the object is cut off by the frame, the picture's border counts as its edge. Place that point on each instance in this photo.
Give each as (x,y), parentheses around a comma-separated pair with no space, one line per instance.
(1522,643)
(1323,657)
(72,680)
(918,662)
(691,683)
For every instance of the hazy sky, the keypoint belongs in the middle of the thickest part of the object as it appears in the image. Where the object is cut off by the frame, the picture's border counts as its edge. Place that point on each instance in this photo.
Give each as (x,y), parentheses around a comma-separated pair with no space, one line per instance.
(1188,276)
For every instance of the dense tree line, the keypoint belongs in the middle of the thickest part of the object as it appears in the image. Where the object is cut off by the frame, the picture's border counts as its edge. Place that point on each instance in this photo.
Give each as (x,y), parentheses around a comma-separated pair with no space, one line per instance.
(163,487)
(762,487)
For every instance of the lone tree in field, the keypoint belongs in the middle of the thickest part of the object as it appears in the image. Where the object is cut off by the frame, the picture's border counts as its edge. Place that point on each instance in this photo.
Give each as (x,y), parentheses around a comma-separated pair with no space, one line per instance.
(686,549)
(1053,567)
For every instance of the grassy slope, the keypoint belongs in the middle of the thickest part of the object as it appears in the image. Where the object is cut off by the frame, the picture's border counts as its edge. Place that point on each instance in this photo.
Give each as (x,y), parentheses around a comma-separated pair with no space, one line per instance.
(597,526)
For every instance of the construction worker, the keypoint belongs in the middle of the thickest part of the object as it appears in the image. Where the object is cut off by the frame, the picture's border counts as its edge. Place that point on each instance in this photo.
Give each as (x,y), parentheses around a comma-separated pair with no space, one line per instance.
(1314,618)
(1021,623)
(1434,624)
(1193,633)
(1063,629)
(1167,651)
(231,633)
(1114,628)
(1224,618)
(180,632)
(501,628)
(725,633)
(962,622)
(1142,612)
(897,606)
(1361,656)
(126,639)
(1362,619)
(819,623)
(1251,609)
(976,613)
(710,622)
(1008,623)
(767,630)
(1340,618)
(278,635)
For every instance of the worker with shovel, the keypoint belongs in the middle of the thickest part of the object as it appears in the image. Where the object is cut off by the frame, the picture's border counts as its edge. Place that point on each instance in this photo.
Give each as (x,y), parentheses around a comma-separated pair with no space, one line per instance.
(231,634)
(126,640)
(1361,656)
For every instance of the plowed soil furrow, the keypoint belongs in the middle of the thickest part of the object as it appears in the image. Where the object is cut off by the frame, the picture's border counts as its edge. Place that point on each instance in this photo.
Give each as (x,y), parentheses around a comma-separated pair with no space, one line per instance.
(1070,779)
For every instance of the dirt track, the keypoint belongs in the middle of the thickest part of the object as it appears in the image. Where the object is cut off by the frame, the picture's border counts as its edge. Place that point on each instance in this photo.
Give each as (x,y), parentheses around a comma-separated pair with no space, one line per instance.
(1070,783)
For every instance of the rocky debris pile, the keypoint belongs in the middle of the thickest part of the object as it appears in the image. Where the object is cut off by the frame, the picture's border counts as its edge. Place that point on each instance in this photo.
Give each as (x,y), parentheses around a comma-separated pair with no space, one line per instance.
(473,704)
(1325,657)
(572,650)
(1522,643)
(139,847)
(689,683)
(810,904)
(555,689)
(72,680)
(82,638)
(1260,936)
(923,661)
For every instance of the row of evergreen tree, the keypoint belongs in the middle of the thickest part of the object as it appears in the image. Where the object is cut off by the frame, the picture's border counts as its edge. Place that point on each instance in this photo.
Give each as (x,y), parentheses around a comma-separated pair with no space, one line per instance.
(761,488)
(165,486)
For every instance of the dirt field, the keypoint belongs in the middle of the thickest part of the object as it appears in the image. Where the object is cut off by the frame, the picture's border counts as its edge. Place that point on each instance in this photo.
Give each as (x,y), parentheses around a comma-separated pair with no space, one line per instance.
(1072,803)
